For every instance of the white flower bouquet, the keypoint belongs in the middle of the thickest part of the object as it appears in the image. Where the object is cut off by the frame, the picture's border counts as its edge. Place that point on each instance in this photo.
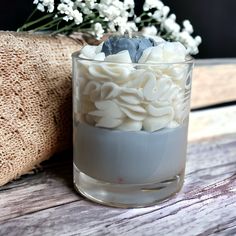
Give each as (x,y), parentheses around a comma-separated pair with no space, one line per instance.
(103,16)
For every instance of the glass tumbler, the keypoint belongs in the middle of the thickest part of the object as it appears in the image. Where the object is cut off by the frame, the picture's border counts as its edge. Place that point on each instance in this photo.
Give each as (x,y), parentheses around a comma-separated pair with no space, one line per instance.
(130,125)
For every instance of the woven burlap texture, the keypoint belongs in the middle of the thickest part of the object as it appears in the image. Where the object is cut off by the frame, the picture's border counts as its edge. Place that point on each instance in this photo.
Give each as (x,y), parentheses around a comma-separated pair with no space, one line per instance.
(35,100)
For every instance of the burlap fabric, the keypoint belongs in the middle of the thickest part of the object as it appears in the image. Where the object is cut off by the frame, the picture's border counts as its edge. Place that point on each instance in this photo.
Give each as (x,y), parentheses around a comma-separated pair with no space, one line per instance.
(35,100)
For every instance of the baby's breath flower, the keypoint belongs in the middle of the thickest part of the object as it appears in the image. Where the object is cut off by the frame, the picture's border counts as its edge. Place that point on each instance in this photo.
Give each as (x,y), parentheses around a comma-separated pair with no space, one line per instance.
(66,8)
(128,4)
(150,4)
(85,6)
(78,17)
(68,2)
(41,7)
(98,30)
(108,11)
(85,9)
(90,3)
(165,11)
(42,4)
(63,8)
(115,13)
(137,19)
(187,26)
(198,40)
(150,30)
(130,27)
(78,2)
(157,15)
(190,43)
(111,26)
(173,17)
(121,23)
(171,26)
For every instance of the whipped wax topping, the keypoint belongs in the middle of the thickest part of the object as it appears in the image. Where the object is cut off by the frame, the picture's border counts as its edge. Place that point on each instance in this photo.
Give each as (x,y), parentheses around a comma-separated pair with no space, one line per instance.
(134,97)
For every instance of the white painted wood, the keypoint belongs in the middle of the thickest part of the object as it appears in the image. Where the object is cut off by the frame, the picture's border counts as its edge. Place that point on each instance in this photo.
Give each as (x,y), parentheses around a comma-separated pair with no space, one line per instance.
(212,123)
(213,84)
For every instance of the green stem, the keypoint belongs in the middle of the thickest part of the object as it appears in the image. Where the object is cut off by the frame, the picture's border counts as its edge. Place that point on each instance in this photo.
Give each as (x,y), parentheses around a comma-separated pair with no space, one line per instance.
(143,14)
(73,28)
(83,24)
(35,22)
(50,24)
(88,23)
(57,27)
(30,16)
(63,29)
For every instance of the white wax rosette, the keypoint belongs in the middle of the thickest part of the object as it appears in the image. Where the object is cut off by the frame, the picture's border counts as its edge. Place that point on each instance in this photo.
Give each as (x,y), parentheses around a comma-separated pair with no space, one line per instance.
(116,93)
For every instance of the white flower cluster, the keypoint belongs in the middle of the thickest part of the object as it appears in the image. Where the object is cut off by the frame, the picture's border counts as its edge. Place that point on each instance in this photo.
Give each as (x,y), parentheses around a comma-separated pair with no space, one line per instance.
(66,7)
(171,28)
(108,14)
(86,6)
(42,4)
(102,16)
(116,13)
(149,4)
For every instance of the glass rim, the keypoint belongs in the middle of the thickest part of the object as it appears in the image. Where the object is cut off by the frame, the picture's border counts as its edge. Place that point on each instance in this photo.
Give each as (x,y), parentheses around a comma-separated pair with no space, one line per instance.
(189,60)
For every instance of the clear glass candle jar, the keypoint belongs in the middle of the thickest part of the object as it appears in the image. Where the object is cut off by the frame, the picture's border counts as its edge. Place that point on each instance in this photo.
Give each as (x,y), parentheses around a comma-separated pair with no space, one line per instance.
(130,130)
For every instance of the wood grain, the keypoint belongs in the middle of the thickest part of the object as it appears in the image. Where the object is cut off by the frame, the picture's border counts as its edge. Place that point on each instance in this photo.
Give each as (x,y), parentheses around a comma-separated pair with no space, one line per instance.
(206,205)
(213,84)
(51,186)
(212,123)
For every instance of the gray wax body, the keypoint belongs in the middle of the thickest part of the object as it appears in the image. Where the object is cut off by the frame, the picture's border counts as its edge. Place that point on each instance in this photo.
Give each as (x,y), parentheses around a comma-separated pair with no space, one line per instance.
(130,157)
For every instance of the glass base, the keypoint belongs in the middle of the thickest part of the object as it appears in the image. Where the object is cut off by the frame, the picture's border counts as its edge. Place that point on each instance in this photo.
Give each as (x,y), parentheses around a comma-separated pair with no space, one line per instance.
(126,195)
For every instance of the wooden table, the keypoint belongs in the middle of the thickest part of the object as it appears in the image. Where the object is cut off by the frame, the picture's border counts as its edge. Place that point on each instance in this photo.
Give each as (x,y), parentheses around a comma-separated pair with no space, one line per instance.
(47,204)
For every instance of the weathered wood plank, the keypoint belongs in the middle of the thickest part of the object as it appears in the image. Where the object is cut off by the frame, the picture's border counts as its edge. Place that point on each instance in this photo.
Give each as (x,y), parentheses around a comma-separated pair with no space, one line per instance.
(212,123)
(213,84)
(206,205)
(52,186)
(215,61)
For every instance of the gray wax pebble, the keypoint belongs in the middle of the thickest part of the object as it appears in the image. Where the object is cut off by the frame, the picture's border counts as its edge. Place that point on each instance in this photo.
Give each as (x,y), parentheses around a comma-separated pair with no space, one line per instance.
(135,46)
